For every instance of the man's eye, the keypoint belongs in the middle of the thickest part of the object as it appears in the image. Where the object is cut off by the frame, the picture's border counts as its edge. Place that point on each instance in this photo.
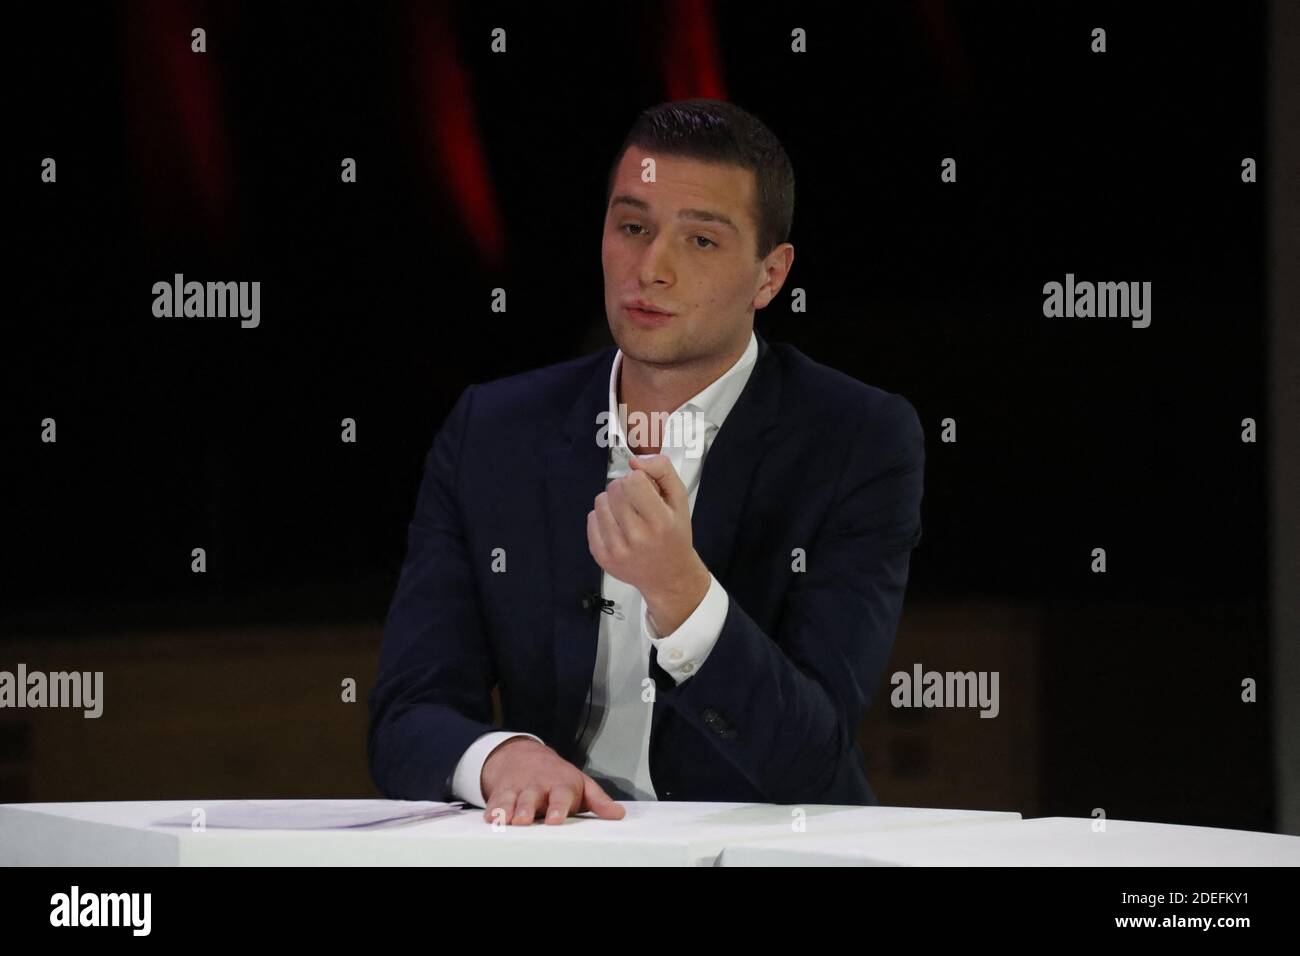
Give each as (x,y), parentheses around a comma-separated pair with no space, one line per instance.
(706,239)
(630,225)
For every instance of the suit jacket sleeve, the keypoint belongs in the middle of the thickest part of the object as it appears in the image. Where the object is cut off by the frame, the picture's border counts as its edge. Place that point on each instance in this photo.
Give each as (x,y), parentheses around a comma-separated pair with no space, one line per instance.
(433,695)
(784,707)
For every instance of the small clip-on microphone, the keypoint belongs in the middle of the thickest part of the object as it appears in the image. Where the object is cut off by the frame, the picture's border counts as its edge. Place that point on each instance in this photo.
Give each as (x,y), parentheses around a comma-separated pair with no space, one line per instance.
(594,602)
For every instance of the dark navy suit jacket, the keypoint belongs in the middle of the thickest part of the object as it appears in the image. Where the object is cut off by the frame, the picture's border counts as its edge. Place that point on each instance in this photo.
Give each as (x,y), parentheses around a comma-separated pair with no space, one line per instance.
(807,459)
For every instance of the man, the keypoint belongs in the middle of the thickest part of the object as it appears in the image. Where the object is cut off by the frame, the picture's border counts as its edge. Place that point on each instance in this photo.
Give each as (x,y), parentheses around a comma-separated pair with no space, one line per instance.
(699,611)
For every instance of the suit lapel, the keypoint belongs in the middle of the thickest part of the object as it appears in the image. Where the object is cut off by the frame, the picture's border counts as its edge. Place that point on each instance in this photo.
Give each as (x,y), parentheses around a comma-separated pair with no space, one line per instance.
(729,468)
(575,474)
(730,463)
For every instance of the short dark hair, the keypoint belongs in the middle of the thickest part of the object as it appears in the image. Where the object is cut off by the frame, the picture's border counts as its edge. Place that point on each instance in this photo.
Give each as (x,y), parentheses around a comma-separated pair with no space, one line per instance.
(719,132)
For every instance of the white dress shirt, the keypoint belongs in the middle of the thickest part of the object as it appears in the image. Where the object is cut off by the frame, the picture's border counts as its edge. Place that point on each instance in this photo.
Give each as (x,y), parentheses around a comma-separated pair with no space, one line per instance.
(616,738)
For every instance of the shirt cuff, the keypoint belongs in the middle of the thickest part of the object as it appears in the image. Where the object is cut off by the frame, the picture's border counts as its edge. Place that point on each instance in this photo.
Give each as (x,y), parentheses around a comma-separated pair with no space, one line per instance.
(467,779)
(682,653)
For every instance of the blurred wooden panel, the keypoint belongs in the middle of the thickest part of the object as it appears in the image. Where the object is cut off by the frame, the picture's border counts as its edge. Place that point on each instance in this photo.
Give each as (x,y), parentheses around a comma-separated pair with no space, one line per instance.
(954,757)
(259,713)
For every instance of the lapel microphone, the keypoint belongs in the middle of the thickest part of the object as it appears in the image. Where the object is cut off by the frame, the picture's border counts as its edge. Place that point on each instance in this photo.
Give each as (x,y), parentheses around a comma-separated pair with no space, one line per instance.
(594,602)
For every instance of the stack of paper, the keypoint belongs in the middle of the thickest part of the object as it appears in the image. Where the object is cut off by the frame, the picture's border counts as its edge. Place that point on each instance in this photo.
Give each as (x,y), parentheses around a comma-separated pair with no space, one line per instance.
(310,814)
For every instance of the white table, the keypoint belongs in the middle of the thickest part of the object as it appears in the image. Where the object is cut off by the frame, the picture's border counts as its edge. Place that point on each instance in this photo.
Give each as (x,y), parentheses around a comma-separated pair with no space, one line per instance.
(1044,841)
(650,834)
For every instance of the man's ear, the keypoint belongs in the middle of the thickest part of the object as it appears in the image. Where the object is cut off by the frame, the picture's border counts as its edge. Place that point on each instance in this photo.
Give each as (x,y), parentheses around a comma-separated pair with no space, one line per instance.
(776,267)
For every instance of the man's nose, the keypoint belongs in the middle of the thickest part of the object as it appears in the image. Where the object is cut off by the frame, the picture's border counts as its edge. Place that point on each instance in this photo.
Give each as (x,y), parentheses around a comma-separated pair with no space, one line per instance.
(657,264)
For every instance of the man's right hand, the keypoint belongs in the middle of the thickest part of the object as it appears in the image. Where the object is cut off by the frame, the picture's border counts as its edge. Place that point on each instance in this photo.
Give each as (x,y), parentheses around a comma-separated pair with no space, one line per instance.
(522,778)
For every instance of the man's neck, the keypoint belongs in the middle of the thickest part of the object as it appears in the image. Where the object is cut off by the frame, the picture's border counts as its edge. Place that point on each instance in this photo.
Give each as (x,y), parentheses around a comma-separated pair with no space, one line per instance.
(649,389)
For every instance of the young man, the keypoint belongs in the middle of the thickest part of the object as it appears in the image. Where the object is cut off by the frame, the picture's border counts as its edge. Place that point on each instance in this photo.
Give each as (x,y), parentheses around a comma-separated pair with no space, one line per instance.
(698,611)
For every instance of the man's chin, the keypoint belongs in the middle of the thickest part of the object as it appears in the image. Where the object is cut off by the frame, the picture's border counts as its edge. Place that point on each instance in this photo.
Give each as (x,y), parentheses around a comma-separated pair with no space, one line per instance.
(662,357)
(651,346)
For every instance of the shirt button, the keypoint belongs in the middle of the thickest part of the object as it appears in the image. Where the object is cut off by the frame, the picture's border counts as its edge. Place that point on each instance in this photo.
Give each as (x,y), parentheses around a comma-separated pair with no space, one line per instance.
(675,655)
(688,667)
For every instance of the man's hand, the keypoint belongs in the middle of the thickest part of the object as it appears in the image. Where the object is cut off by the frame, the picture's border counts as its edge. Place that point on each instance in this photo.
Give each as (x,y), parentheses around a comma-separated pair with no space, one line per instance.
(640,532)
(522,777)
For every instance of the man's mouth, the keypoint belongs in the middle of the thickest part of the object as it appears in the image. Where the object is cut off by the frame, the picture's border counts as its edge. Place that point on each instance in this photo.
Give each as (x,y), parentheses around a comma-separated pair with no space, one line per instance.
(644,313)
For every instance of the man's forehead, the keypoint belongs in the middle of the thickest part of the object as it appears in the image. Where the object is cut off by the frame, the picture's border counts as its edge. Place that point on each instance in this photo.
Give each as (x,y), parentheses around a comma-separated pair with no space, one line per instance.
(684,181)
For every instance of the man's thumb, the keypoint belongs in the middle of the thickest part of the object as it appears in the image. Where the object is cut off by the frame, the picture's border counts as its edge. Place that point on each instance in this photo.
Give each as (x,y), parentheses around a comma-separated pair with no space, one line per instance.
(599,802)
(660,469)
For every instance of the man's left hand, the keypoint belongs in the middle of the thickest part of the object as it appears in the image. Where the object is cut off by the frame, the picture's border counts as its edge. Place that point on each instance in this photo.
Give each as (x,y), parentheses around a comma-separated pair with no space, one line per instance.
(640,532)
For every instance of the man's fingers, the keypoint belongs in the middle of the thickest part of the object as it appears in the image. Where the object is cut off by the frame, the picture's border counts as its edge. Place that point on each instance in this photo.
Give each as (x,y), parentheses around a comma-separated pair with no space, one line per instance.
(610,534)
(624,509)
(519,808)
(599,802)
(642,493)
(661,470)
(526,807)
(562,801)
(504,801)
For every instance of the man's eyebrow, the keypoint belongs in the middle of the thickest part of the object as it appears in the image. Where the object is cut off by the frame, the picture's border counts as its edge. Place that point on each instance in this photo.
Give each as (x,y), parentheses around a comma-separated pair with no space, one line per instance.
(701,215)
(627,200)
(704,215)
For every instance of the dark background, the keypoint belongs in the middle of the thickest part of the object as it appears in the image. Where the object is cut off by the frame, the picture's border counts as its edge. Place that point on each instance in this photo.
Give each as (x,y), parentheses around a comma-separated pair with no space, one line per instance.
(479,170)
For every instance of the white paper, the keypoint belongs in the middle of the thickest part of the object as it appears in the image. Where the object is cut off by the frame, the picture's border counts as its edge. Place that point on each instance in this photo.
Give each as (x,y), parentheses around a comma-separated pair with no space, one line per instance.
(311,814)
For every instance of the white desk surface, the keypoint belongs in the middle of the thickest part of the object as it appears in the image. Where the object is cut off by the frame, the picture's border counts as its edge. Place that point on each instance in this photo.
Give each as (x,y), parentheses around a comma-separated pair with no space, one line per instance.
(1042,841)
(651,833)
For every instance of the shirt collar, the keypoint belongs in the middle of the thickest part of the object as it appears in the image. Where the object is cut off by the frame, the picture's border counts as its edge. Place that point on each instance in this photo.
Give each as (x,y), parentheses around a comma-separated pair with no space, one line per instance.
(714,402)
